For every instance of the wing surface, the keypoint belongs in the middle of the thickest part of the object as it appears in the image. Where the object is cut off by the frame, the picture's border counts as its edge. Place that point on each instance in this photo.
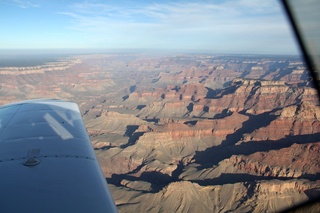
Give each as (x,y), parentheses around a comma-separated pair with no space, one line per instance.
(47,163)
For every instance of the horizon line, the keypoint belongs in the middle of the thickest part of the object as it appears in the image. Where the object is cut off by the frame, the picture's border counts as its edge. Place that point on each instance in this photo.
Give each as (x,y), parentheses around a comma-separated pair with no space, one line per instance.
(23,51)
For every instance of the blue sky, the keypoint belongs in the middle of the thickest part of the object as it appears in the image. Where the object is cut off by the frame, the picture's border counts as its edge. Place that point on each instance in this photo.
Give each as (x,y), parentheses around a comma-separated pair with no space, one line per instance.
(218,26)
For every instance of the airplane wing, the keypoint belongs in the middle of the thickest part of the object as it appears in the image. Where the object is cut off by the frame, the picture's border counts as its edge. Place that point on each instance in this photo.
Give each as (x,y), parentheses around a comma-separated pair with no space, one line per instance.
(47,163)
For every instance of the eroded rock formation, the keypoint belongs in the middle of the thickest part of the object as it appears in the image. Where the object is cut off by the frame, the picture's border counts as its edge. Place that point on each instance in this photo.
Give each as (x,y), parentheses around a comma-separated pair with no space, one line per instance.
(191,133)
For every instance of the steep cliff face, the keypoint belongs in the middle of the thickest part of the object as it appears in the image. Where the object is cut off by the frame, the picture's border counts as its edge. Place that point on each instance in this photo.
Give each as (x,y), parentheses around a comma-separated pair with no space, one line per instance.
(278,195)
(256,97)
(295,161)
(301,119)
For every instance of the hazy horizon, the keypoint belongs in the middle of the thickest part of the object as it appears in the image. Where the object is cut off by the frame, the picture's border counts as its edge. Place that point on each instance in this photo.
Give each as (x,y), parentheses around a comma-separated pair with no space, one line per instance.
(85,51)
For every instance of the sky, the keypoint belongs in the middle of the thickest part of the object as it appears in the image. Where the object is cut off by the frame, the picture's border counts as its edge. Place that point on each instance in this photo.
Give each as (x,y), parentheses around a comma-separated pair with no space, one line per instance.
(216,26)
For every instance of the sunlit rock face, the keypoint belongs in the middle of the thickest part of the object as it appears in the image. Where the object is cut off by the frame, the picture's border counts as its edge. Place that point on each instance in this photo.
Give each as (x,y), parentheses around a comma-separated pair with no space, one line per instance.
(190,133)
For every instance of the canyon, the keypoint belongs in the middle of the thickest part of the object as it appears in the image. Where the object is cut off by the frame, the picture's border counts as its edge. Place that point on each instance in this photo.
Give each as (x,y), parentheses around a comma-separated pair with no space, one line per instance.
(190,132)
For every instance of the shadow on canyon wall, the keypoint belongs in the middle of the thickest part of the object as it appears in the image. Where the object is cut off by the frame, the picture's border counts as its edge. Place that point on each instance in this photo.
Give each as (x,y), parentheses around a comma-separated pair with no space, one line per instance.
(133,136)
(157,180)
(213,155)
(236,178)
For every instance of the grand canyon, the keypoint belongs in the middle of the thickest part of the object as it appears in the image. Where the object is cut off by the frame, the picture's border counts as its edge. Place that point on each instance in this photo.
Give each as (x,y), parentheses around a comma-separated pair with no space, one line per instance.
(190,132)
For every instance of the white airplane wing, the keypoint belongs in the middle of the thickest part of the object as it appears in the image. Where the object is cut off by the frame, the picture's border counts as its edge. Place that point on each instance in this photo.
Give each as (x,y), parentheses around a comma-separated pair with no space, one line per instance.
(47,163)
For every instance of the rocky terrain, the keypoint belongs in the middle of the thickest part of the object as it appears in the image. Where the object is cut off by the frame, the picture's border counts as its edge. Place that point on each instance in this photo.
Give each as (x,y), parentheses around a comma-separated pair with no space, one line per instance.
(190,133)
